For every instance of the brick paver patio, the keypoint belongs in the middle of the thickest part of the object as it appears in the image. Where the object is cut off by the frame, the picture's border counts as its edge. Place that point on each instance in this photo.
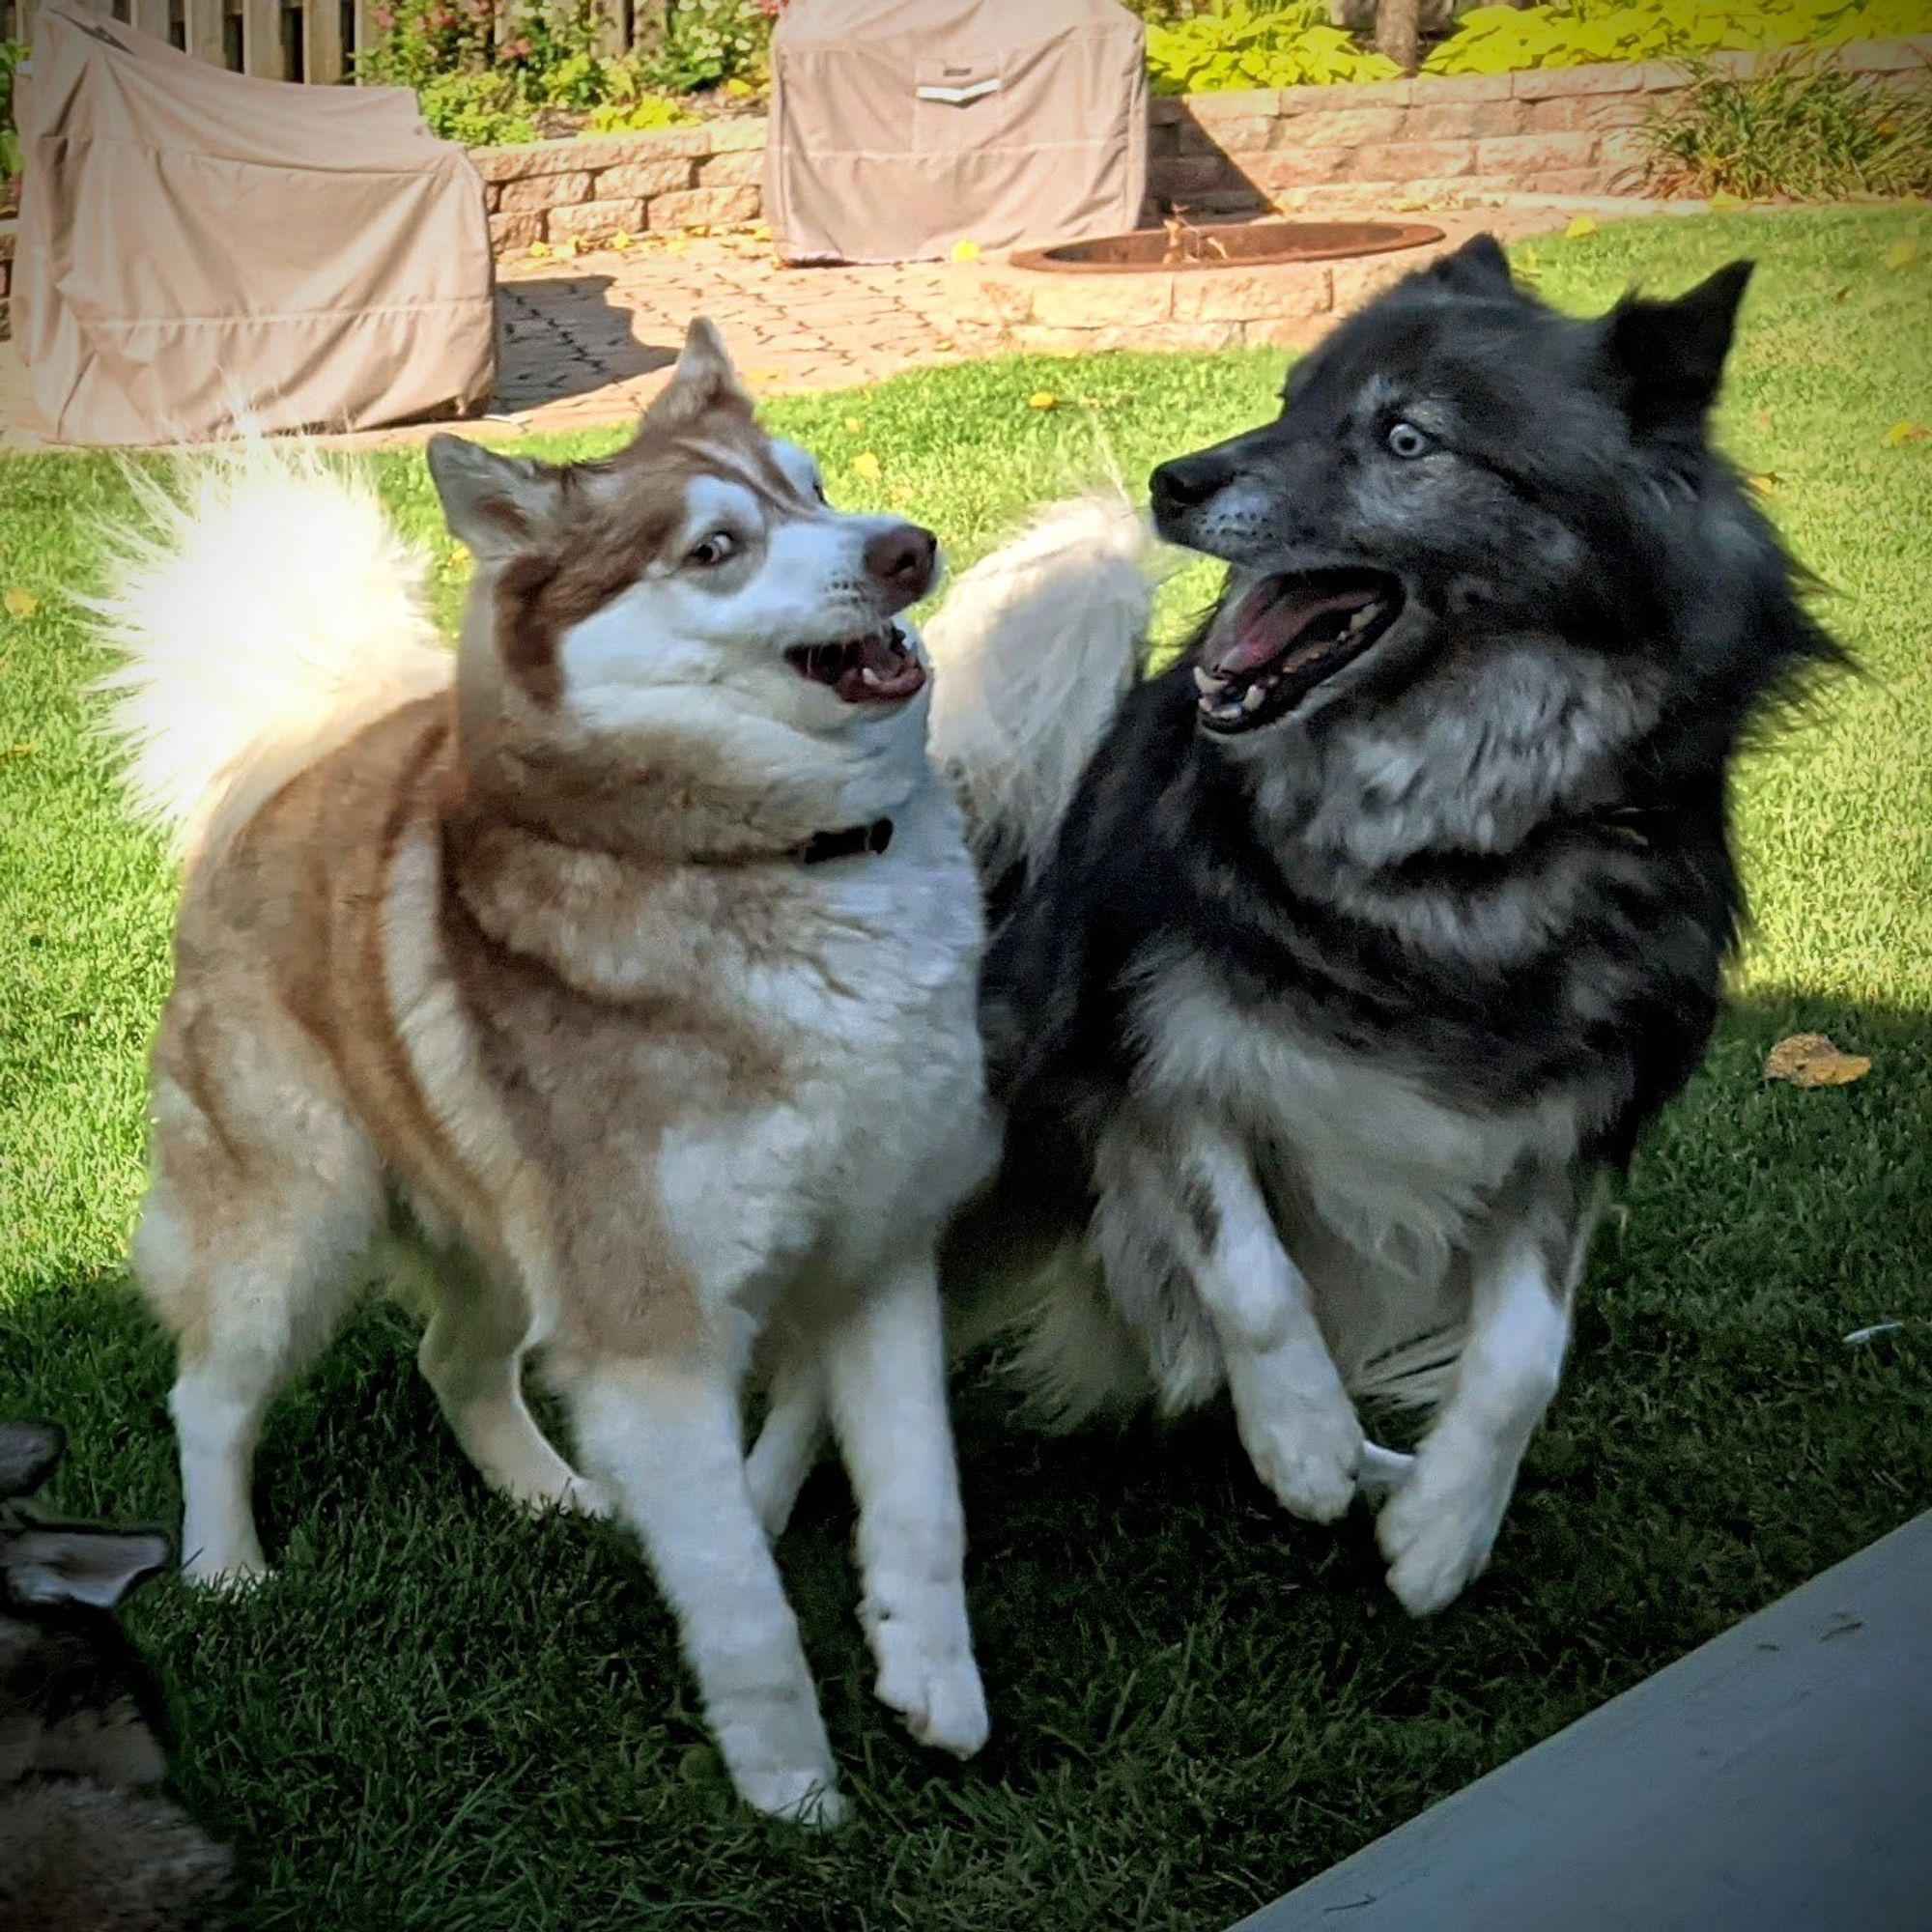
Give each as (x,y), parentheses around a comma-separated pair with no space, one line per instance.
(588,340)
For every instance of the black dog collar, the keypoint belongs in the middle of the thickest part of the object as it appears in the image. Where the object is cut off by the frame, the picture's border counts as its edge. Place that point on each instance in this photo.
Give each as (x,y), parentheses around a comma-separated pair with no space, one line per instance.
(848,843)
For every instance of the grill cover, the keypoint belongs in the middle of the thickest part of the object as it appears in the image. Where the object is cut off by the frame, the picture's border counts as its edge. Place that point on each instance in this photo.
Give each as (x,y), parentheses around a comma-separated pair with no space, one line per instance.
(900,127)
(201,251)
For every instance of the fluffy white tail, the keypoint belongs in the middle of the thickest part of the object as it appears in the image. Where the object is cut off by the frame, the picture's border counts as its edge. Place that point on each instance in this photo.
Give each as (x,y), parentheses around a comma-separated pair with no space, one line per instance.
(1035,647)
(264,611)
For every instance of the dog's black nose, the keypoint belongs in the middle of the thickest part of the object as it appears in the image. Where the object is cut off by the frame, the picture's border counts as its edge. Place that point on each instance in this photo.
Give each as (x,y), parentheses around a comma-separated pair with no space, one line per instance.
(1187,482)
(902,561)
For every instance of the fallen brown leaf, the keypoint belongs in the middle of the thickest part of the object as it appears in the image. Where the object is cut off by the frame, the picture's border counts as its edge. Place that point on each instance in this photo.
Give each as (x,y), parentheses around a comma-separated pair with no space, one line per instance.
(1810,1060)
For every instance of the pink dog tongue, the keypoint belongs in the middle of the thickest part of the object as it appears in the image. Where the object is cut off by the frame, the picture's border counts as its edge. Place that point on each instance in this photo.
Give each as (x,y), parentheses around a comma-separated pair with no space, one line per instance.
(1265,623)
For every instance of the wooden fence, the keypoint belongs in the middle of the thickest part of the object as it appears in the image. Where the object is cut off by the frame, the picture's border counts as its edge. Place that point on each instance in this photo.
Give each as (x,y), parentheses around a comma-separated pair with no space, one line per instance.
(289,40)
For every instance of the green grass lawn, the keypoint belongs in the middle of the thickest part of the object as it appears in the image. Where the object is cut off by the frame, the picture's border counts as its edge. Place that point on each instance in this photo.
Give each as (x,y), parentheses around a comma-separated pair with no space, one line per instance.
(445,1717)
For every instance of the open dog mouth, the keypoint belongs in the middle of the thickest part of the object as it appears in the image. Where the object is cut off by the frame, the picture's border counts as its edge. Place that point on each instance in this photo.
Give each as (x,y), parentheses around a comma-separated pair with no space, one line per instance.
(1285,635)
(878,668)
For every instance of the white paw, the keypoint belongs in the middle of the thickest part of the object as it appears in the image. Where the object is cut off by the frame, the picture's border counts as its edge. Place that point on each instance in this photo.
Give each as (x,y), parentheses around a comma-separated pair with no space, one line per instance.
(1438,1537)
(932,1683)
(584,1497)
(804,1796)
(568,1492)
(1308,1455)
(226,1572)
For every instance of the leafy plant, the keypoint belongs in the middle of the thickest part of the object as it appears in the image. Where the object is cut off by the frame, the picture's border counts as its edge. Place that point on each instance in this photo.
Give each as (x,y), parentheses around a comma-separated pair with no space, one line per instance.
(1573,33)
(422,40)
(1801,130)
(639,114)
(1242,45)
(11,54)
(481,110)
(710,43)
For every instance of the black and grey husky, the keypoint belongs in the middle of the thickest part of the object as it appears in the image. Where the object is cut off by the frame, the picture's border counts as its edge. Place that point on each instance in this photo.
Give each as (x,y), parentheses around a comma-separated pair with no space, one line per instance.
(1337,968)
(85,1842)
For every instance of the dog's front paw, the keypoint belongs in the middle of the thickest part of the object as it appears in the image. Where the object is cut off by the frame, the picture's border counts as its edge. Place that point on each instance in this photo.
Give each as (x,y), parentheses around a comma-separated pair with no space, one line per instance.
(1437,1536)
(808,1798)
(1308,1456)
(930,1679)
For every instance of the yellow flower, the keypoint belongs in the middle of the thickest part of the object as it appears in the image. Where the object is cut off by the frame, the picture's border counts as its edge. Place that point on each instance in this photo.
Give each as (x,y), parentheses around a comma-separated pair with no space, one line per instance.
(1900,253)
(965,251)
(866,466)
(1579,227)
(21,604)
(1042,399)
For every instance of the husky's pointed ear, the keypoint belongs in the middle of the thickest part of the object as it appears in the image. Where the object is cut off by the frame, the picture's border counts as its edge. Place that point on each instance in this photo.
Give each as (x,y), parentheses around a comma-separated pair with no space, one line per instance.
(703,381)
(493,503)
(28,1454)
(58,1563)
(1666,359)
(1478,267)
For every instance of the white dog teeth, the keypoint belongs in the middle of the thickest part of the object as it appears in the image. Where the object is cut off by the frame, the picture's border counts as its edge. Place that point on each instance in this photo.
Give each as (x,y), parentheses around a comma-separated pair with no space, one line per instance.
(867,675)
(1207,683)
(1254,698)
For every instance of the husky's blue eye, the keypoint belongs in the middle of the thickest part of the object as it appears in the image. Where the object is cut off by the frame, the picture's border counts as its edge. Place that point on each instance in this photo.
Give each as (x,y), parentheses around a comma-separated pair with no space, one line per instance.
(1406,440)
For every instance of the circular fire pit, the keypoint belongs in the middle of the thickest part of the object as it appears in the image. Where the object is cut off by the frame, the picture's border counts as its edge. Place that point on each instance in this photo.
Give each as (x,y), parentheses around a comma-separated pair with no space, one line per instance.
(1246,245)
(1183,287)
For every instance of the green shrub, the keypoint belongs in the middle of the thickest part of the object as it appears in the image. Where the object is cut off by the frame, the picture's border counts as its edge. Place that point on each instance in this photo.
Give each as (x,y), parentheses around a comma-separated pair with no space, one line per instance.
(1573,33)
(707,43)
(423,41)
(1240,44)
(11,54)
(485,87)
(1800,130)
(481,110)
(639,114)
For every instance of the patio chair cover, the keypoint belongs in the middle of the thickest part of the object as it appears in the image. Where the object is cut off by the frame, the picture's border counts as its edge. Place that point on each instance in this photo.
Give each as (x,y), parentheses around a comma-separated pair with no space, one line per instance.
(900,127)
(202,252)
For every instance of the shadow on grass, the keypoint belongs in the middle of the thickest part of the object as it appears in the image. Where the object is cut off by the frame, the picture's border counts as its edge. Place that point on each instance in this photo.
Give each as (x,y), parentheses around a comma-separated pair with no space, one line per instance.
(444,1714)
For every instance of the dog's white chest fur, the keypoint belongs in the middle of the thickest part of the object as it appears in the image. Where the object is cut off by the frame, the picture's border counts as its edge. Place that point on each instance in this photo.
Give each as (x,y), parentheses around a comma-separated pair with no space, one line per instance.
(1377,1179)
(883,1126)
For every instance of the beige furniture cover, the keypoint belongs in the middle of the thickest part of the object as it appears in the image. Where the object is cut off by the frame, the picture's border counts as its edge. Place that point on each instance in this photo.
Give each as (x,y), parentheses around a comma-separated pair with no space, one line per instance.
(200,251)
(901,127)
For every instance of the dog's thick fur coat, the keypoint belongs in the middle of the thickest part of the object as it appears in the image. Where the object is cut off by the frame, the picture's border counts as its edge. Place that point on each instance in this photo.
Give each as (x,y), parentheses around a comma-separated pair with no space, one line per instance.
(1379,928)
(615,973)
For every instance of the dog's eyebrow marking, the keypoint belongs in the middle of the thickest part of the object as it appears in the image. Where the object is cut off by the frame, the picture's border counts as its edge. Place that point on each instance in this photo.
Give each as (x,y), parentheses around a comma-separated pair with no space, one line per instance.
(758,470)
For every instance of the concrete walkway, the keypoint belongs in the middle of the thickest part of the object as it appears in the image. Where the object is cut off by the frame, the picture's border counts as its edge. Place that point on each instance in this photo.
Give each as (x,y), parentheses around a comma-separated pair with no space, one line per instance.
(1778,1779)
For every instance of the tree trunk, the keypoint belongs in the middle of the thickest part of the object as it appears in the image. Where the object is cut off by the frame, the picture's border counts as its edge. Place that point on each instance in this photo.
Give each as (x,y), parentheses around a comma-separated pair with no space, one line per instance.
(1398,32)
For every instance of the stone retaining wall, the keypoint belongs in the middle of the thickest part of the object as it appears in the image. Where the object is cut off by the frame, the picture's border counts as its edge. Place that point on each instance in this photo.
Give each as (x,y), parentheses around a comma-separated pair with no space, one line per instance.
(1440,139)
(1437,138)
(595,186)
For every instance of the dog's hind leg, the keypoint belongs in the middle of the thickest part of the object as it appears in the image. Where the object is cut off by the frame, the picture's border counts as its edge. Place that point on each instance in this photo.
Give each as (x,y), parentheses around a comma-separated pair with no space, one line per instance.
(472,1356)
(791,1439)
(247,1248)
(1437,1529)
